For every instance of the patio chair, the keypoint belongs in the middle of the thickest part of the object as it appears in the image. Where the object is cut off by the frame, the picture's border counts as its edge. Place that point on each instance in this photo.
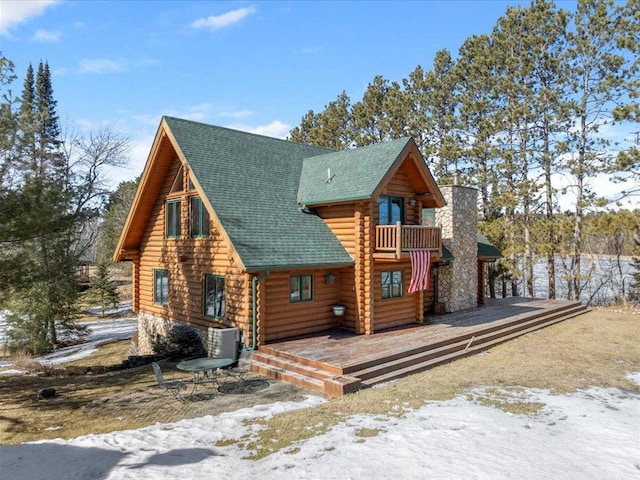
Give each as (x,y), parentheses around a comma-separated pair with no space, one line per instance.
(244,359)
(173,386)
(236,374)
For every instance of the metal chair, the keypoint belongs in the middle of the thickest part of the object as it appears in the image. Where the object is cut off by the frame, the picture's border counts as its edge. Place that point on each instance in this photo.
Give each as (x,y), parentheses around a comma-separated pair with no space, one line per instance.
(173,386)
(242,368)
(236,374)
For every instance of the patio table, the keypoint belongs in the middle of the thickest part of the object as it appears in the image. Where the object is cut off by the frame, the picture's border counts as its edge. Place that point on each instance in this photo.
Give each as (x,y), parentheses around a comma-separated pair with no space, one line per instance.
(204,370)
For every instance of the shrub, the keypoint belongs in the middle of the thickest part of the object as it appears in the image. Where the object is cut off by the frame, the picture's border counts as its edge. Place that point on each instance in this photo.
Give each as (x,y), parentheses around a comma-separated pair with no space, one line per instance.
(181,341)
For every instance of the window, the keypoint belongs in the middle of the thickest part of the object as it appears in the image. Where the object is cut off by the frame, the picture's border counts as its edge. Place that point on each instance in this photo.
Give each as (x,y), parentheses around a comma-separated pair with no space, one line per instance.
(161,286)
(392,284)
(172,213)
(429,217)
(390,210)
(300,288)
(178,183)
(214,296)
(199,218)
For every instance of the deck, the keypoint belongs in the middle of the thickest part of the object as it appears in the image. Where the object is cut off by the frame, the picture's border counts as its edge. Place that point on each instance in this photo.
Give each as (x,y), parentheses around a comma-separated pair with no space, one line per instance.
(338,361)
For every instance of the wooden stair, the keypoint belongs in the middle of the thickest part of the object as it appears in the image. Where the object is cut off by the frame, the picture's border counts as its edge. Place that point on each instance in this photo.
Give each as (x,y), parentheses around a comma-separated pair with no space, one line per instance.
(332,380)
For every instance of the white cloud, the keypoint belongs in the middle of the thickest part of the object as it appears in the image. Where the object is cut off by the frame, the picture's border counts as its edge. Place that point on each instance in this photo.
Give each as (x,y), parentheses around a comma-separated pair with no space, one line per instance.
(602,184)
(198,113)
(101,65)
(105,65)
(46,36)
(239,115)
(17,11)
(216,22)
(275,129)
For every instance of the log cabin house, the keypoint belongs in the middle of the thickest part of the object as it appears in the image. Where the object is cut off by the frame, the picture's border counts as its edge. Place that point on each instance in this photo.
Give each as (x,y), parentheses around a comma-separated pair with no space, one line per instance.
(280,239)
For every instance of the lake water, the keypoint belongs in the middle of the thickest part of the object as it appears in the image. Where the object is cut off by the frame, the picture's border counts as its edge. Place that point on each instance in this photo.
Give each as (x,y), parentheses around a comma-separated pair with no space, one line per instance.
(603,286)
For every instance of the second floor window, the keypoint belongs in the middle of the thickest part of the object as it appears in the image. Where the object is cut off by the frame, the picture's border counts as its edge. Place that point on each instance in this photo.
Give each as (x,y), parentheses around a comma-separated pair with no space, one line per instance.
(199,218)
(390,210)
(172,218)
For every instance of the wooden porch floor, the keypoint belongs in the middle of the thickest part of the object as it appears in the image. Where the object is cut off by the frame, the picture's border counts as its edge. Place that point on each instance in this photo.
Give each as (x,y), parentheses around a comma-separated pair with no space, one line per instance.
(338,361)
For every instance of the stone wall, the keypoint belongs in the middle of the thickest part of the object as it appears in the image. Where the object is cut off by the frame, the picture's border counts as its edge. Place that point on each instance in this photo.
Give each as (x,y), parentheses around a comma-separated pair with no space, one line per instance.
(458,282)
(149,327)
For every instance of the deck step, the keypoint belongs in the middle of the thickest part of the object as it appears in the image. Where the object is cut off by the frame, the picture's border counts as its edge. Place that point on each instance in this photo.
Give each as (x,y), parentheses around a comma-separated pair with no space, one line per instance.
(289,376)
(388,374)
(323,378)
(449,344)
(273,360)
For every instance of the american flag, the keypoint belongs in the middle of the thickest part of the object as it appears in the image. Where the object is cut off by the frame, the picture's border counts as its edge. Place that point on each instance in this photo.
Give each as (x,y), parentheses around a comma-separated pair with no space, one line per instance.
(420,267)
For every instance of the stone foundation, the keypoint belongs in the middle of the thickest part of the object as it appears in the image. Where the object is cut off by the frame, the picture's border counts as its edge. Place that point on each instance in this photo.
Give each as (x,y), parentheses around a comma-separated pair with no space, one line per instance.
(458,282)
(149,327)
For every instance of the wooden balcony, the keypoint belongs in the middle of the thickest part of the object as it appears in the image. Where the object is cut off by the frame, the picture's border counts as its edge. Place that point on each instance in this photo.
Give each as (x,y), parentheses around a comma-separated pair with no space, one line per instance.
(394,240)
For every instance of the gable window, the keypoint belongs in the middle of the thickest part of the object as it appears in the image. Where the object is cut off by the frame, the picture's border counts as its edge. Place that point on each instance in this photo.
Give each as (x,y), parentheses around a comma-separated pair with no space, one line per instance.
(300,288)
(390,210)
(160,286)
(214,296)
(391,284)
(172,218)
(199,218)
(178,183)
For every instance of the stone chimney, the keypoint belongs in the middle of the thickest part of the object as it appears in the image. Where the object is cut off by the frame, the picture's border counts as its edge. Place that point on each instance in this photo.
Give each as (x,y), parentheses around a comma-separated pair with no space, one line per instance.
(458,282)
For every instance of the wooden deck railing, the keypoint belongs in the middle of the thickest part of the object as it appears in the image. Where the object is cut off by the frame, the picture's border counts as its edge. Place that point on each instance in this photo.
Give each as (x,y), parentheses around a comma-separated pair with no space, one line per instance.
(400,238)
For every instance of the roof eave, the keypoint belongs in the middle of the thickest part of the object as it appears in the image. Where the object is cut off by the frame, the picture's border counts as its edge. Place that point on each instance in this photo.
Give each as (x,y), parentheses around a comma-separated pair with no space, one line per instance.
(302,266)
(119,253)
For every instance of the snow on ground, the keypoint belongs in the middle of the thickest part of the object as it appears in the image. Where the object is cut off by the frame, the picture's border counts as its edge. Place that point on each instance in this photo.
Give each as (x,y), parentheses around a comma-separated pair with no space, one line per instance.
(100,332)
(591,434)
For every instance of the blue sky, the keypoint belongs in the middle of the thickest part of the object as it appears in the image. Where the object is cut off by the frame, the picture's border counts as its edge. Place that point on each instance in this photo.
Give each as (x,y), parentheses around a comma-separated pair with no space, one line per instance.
(256,66)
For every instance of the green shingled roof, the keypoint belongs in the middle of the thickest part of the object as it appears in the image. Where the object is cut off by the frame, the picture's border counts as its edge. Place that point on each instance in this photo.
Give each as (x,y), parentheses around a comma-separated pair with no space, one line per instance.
(486,249)
(354,174)
(251,181)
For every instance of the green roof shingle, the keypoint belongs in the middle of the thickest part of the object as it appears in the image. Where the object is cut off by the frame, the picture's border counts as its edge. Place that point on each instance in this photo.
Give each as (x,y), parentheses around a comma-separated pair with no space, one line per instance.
(251,181)
(486,249)
(354,174)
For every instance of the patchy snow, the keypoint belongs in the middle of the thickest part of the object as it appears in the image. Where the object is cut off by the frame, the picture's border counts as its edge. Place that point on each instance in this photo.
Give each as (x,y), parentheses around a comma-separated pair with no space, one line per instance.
(100,332)
(591,434)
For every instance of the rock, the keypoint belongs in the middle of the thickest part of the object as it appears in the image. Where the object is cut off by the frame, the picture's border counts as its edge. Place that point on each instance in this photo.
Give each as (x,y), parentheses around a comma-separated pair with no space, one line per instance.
(46,393)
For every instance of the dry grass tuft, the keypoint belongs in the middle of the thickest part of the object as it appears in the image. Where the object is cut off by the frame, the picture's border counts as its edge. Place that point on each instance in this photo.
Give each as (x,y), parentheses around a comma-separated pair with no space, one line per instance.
(23,361)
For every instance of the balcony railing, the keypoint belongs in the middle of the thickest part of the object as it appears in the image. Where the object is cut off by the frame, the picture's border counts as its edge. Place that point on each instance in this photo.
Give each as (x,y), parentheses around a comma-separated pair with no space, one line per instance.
(400,238)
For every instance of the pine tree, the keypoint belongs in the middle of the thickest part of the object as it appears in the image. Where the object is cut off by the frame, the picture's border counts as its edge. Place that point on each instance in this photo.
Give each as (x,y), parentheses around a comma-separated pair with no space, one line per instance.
(113,219)
(598,82)
(102,292)
(432,106)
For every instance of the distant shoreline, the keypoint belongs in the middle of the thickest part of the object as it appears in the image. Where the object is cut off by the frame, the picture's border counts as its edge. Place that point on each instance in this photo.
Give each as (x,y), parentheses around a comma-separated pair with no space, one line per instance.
(609,257)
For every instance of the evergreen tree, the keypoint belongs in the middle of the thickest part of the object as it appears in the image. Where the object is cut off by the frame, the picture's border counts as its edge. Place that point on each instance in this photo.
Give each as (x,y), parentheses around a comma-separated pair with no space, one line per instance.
(371,116)
(54,193)
(634,287)
(598,83)
(103,291)
(9,127)
(113,219)
(431,101)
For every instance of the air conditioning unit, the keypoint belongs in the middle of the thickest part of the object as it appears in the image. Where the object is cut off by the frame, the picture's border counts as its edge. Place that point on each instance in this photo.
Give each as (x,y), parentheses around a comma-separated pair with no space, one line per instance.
(223,342)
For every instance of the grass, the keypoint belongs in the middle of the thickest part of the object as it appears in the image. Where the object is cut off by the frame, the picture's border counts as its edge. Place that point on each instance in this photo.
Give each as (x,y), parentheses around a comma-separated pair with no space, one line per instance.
(598,349)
